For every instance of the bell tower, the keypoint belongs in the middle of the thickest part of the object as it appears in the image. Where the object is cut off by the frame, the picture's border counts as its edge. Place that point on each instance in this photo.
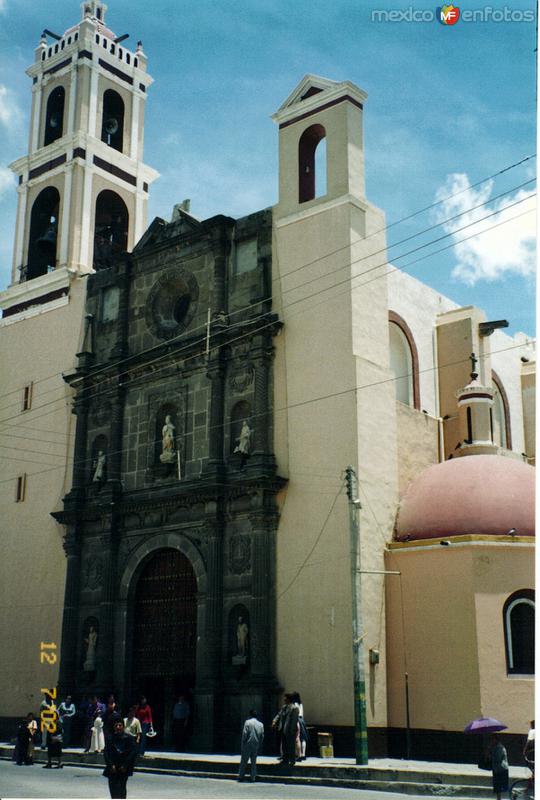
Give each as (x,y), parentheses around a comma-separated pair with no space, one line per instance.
(83,187)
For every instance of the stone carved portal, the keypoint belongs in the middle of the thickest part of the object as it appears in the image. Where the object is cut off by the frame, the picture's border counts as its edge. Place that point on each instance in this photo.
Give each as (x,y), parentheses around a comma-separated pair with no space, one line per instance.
(165,633)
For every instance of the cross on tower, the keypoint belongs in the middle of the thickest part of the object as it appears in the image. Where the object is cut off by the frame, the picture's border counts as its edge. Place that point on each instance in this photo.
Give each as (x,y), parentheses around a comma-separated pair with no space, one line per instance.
(474,362)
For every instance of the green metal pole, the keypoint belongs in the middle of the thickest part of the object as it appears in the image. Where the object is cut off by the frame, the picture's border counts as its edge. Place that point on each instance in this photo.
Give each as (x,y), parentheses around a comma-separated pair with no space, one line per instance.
(360,716)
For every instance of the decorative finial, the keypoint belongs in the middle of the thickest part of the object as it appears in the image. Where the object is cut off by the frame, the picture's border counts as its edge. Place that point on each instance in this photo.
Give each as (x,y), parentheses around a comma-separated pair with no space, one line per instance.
(474,362)
(139,46)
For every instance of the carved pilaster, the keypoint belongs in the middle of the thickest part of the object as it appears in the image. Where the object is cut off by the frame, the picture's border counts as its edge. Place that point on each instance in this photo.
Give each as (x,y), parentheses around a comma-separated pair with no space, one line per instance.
(115,456)
(262,449)
(68,652)
(214,604)
(120,346)
(221,247)
(79,455)
(216,374)
(262,633)
(106,650)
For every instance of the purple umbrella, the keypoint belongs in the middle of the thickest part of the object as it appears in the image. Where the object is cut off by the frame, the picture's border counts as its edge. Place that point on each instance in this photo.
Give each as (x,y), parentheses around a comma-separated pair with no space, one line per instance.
(485,725)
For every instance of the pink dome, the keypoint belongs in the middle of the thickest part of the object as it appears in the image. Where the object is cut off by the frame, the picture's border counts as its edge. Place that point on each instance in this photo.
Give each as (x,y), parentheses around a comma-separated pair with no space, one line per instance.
(469,495)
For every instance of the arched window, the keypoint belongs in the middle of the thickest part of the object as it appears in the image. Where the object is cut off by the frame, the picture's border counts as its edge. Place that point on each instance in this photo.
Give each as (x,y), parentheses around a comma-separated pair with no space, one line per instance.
(43,233)
(111,228)
(404,361)
(54,117)
(310,185)
(112,126)
(501,414)
(518,617)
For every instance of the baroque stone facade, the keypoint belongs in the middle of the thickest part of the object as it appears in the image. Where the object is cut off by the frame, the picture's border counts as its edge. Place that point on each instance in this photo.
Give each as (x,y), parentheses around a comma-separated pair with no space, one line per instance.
(171,521)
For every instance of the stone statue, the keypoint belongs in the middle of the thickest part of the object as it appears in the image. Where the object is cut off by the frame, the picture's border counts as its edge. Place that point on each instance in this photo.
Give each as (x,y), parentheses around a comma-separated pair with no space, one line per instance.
(168,450)
(91,644)
(99,467)
(244,440)
(242,633)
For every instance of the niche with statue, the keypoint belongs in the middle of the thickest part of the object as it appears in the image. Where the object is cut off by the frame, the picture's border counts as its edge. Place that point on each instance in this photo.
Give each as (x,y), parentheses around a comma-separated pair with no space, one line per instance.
(98,462)
(241,433)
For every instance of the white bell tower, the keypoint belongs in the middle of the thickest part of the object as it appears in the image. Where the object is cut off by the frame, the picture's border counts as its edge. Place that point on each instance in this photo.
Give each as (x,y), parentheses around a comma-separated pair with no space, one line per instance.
(83,186)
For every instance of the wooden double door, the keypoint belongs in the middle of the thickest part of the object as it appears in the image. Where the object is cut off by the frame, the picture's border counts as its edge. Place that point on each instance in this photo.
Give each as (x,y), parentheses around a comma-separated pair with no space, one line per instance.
(165,637)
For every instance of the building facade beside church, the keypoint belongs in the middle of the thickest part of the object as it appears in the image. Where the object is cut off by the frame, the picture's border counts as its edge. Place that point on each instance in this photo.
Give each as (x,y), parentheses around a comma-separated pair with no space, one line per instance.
(223,374)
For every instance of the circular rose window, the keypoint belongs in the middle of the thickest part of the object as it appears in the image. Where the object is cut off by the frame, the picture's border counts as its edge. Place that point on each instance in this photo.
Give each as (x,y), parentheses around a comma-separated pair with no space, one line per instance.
(172,303)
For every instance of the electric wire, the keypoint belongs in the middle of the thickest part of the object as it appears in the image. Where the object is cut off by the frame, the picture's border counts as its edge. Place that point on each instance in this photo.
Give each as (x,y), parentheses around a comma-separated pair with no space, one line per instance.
(361,240)
(248,322)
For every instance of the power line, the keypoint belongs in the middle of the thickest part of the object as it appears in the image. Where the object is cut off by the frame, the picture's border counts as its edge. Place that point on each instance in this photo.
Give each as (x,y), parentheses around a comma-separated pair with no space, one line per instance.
(299,404)
(350,279)
(360,240)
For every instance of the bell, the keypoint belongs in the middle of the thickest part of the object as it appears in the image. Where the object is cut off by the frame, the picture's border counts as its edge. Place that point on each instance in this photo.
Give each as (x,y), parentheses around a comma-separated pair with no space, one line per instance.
(111,126)
(47,242)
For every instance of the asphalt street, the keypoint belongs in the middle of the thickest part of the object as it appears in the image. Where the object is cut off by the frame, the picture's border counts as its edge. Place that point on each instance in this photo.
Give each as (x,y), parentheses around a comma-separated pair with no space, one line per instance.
(77,782)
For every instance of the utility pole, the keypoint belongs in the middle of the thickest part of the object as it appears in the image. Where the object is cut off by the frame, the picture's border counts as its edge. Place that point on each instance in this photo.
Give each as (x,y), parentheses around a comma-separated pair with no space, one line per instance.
(360,718)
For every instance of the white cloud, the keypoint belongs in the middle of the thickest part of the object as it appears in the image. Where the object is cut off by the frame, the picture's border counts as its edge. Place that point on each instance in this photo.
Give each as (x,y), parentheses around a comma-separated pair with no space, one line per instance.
(7,181)
(10,113)
(508,248)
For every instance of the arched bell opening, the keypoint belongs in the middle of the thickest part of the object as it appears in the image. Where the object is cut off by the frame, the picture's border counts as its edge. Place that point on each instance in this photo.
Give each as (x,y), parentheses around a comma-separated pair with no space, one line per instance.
(111,229)
(54,117)
(112,126)
(43,239)
(311,167)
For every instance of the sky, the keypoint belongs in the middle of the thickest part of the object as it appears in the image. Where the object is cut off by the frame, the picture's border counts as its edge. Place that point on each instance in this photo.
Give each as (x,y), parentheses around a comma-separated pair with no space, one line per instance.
(448,106)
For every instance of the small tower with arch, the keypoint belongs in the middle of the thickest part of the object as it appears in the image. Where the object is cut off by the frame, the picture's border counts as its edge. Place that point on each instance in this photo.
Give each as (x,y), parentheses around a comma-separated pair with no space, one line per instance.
(83,186)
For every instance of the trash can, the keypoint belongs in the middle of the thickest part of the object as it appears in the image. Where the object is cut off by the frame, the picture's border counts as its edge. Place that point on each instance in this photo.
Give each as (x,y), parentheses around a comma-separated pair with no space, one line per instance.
(326,744)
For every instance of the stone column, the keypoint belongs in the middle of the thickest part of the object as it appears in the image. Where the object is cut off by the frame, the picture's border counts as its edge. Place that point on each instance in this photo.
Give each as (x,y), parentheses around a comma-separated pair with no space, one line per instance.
(106,644)
(261,455)
(70,621)
(114,472)
(216,374)
(80,463)
(221,247)
(120,348)
(209,682)
(264,525)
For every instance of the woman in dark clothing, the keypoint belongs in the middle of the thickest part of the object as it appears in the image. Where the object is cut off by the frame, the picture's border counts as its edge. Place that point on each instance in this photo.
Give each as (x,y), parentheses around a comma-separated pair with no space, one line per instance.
(110,717)
(120,753)
(499,766)
(20,755)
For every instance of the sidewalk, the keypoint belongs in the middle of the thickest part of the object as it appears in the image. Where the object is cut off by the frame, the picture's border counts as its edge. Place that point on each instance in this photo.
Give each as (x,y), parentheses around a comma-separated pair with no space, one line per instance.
(429,778)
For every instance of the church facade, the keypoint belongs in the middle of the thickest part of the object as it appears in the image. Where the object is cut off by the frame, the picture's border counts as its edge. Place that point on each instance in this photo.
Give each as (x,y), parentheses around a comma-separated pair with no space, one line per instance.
(223,374)
(172,517)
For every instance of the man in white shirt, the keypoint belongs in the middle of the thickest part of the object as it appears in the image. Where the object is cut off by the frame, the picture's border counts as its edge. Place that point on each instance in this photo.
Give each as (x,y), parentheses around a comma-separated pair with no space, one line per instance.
(252,739)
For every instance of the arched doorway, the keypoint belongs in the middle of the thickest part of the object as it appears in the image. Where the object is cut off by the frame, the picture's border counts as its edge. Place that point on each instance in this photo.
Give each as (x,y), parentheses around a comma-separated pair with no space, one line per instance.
(165,635)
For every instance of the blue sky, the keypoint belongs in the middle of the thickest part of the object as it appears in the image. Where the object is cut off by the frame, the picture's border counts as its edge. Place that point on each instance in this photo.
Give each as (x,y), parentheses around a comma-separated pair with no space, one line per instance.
(447,107)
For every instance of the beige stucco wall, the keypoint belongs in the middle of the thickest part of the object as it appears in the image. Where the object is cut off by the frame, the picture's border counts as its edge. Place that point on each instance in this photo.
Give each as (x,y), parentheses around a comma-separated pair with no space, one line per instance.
(37,442)
(445,629)
(417,443)
(528,384)
(314,441)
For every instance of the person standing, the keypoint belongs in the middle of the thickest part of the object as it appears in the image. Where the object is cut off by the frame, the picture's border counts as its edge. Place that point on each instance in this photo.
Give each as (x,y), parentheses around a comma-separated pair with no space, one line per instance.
(132,726)
(110,717)
(66,713)
(144,715)
(252,739)
(289,738)
(499,766)
(93,706)
(33,730)
(302,729)
(97,742)
(20,755)
(181,713)
(120,754)
(47,704)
